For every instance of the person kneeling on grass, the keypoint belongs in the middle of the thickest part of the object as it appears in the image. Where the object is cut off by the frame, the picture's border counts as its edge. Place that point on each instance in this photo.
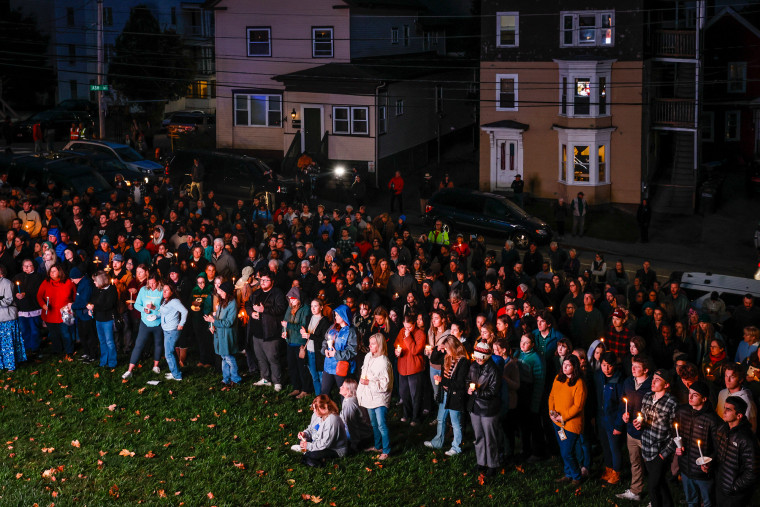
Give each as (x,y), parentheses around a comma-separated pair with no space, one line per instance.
(325,438)
(355,417)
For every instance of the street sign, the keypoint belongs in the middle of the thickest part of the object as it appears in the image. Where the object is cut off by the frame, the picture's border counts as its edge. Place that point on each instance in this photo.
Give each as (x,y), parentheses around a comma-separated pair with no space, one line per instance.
(98,88)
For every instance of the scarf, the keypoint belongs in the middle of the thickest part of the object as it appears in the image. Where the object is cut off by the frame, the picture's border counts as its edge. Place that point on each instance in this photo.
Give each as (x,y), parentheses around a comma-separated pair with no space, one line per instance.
(720,357)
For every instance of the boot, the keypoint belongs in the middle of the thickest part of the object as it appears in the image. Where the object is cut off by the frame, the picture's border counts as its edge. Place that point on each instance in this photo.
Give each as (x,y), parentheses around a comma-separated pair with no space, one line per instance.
(613,477)
(181,356)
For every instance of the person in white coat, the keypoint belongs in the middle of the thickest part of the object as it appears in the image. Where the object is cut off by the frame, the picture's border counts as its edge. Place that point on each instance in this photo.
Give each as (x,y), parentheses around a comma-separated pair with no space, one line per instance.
(374,392)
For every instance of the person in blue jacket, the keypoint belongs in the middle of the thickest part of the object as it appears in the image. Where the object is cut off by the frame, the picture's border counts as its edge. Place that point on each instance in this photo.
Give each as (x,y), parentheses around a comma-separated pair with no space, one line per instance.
(88,335)
(339,345)
(610,426)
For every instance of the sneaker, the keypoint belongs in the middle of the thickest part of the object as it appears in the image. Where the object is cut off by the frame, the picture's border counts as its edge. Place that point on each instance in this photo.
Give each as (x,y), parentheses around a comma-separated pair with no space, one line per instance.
(413,423)
(278,387)
(84,357)
(383,457)
(451,452)
(296,448)
(262,382)
(403,419)
(428,443)
(629,495)
(156,370)
(169,376)
(584,472)
(127,374)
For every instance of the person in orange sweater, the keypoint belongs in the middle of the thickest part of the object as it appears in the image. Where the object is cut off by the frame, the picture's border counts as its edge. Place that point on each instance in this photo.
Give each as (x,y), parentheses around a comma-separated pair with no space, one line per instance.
(566,402)
(409,346)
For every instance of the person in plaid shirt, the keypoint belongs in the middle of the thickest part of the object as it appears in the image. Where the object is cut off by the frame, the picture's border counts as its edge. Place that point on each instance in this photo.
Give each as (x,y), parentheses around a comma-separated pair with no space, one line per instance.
(658,410)
(618,336)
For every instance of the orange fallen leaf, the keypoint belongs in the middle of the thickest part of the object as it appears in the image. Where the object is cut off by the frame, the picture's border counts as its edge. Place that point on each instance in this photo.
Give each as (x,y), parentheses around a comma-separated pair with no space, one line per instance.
(48,449)
(54,494)
(520,469)
(114,491)
(316,499)
(189,458)
(304,496)
(161,493)
(112,407)
(19,475)
(211,425)
(97,375)
(102,453)
(435,460)
(240,465)
(150,455)
(210,495)
(75,443)
(126,452)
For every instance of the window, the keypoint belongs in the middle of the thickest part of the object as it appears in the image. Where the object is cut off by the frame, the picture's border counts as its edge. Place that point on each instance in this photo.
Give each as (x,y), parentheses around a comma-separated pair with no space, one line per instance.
(259,41)
(394,35)
(69,16)
(737,77)
(584,88)
(708,126)
(72,54)
(587,28)
(506,92)
(350,120)
(322,42)
(399,107)
(733,124)
(201,90)
(584,156)
(507,29)
(406,36)
(174,15)
(382,114)
(108,16)
(258,110)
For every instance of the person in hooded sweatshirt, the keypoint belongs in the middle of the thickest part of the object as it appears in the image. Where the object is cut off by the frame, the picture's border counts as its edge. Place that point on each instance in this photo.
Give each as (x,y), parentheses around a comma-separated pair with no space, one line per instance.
(355,417)
(339,347)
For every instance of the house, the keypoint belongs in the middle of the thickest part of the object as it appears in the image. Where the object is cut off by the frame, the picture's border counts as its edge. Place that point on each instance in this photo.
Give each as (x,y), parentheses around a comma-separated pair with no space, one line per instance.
(567,98)
(368,84)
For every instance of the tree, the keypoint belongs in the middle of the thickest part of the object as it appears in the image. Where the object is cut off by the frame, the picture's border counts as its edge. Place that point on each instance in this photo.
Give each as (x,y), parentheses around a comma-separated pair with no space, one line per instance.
(149,64)
(26,76)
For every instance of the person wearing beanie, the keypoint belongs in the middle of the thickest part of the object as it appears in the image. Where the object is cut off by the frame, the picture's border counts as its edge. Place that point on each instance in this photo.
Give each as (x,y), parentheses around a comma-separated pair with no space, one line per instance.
(697,421)
(658,410)
(265,307)
(222,324)
(484,390)
(737,456)
(296,319)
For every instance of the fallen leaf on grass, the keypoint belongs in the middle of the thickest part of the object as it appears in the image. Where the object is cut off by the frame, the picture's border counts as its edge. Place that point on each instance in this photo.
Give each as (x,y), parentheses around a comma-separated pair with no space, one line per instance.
(48,449)
(126,452)
(102,453)
(211,425)
(189,458)
(112,407)
(239,464)
(150,455)
(210,495)
(520,469)
(97,375)
(141,390)
(114,491)
(19,475)
(161,493)
(435,460)
(75,443)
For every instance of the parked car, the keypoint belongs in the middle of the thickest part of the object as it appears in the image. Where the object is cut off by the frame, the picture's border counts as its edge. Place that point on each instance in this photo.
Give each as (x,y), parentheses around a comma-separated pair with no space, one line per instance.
(77,105)
(231,177)
(125,154)
(61,121)
(71,178)
(106,165)
(187,122)
(488,214)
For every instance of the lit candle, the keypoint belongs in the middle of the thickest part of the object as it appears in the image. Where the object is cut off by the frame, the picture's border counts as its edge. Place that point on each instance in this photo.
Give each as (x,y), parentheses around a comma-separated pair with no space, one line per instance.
(18,287)
(676,430)
(640,417)
(428,348)
(699,446)
(708,372)
(472,386)
(626,404)
(398,349)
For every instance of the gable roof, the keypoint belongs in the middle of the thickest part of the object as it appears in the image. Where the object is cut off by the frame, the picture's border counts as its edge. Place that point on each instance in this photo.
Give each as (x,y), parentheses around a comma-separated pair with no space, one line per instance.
(728,11)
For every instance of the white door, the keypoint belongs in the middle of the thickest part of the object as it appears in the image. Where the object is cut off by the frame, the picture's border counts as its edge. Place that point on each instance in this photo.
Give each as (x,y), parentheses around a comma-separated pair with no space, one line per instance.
(507,162)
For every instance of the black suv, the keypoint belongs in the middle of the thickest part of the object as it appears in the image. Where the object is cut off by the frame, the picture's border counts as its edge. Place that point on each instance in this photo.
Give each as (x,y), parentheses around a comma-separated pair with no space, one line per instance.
(469,211)
(231,177)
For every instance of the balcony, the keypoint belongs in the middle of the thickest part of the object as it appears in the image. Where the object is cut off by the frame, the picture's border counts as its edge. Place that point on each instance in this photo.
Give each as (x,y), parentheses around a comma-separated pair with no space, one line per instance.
(674,113)
(675,44)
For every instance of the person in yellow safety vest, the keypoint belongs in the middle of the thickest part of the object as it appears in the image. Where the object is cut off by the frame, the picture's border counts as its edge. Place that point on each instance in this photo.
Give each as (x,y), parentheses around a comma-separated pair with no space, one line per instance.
(74,132)
(83,132)
(438,237)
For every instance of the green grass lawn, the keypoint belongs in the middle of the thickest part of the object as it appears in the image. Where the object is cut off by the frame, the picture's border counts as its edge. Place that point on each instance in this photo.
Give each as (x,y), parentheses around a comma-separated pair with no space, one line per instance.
(65,425)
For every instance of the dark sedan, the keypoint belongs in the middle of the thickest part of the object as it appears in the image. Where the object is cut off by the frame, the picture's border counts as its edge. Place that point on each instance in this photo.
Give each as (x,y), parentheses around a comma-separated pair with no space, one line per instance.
(469,211)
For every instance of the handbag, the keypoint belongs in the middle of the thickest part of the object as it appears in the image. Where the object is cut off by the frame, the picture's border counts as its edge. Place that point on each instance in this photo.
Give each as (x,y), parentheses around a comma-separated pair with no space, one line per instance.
(342,368)
(302,352)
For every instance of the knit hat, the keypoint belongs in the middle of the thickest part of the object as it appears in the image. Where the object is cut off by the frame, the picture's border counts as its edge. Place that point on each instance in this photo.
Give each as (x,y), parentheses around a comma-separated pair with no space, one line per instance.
(75,273)
(701,387)
(619,313)
(664,375)
(294,293)
(482,350)
(227,288)
(331,252)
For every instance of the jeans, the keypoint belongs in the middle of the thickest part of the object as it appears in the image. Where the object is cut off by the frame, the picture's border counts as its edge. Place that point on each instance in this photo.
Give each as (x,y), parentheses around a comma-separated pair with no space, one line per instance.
(456,424)
(170,340)
(316,376)
(613,458)
(433,373)
(30,331)
(583,451)
(694,489)
(659,493)
(380,428)
(107,343)
(567,451)
(229,370)
(60,338)
(410,392)
(143,335)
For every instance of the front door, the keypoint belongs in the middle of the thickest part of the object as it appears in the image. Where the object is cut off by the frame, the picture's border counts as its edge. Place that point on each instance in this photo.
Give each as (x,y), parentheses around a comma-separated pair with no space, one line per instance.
(506,162)
(312,129)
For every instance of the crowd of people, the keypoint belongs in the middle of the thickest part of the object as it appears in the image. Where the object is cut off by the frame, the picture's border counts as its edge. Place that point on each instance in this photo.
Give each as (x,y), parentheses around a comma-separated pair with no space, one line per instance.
(537,356)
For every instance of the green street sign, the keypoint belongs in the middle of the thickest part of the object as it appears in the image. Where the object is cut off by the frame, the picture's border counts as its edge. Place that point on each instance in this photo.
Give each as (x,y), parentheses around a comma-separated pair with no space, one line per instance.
(98,88)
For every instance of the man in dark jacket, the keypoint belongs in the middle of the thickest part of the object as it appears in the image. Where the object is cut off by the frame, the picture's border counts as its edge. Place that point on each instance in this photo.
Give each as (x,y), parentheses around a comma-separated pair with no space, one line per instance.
(737,456)
(400,284)
(29,312)
(88,335)
(266,308)
(697,422)
(484,390)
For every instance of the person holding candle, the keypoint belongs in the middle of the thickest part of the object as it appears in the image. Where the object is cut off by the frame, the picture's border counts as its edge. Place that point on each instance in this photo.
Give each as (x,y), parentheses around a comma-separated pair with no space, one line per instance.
(483,404)
(173,318)
(54,293)
(88,335)
(566,402)
(103,305)
(715,363)
(339,346)
(409,347)
(325,438)
(374,392)
(608,383)
(11,343)
(634,388)
(451,396)
(738,457)
(436,337)
(696,422)
(656,425)
(296,319)
(222,324)
(202,304)
(148,303)
(266,306)
(27,284)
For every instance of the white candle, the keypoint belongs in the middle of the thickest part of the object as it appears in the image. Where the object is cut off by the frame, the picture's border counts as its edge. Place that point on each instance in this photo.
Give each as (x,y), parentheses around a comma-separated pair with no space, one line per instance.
(676,430)
(699,445)
(626,404)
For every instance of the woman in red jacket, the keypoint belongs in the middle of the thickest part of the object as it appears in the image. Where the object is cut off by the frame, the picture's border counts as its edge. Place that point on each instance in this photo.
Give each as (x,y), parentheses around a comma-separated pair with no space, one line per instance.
(409,346)
(56,292)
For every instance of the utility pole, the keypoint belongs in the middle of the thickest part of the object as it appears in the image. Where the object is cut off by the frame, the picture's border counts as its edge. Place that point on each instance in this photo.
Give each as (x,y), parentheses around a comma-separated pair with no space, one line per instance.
(101,111)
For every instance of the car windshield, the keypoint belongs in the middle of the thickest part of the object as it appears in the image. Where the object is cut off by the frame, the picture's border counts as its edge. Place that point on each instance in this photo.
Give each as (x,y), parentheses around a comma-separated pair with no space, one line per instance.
(187,118)
(127,154)
(44,115)
(514,208)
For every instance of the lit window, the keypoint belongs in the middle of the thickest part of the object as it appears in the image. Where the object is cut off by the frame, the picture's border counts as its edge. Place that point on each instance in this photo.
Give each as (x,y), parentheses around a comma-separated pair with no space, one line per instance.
(587,28)
(581,102)
(584,88)
(258,110)
(507,30)
(602,165)
(584,156)
(563,164)
(322,42)
(259,41)
(580,164)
